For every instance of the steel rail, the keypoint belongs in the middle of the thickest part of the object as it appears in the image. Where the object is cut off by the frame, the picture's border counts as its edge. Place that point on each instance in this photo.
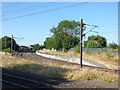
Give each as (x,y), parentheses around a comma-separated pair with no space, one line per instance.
(14,83)
(30,80)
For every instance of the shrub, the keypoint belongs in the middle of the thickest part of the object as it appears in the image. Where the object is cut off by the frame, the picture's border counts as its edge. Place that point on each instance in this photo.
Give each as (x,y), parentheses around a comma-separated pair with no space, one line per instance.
(87,51)
(108,53)
(76,49)
(8,50)
(113,46)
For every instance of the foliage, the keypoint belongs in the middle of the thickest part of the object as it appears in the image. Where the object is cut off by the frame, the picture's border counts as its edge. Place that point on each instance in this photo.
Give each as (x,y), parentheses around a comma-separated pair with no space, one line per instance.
(49,43)
(8,50)
(95,42)
(108,53)
(66,35)
(41,47)
(36,47)
(68,43)
(77,48)
(113,46)
(8,43)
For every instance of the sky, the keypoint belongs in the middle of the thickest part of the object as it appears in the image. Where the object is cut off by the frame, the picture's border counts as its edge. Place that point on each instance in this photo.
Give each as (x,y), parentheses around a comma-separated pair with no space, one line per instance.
(33,20)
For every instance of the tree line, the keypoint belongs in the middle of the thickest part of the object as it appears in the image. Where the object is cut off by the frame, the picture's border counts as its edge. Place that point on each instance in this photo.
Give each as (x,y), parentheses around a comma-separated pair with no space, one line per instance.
(8,44)
(67,35)
(15,46)
(64,37)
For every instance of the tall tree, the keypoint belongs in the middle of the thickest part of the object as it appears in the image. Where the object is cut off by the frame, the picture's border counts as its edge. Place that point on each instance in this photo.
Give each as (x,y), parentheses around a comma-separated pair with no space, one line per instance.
(66,34)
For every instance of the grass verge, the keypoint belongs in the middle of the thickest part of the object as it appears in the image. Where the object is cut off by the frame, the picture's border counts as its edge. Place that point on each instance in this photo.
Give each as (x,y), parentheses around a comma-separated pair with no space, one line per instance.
(56,70)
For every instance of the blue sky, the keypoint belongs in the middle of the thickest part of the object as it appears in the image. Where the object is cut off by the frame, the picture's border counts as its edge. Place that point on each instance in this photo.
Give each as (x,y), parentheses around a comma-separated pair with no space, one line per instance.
(35,28)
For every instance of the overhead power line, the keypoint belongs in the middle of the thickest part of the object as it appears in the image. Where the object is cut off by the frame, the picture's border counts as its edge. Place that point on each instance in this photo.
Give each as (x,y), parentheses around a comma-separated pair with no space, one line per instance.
(110,32)
(43,11)
(28,8)
(11,5)
(94,26)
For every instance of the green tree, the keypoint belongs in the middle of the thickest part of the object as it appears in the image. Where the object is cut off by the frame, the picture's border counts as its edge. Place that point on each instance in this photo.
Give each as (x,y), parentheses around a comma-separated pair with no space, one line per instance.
(95,42)
(36,47)
(113,46)
(8,43)
(49,43)
(66,34)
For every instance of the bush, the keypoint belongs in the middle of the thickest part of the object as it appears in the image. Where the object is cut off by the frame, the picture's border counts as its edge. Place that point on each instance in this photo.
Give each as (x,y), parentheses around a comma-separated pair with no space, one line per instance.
(113,46)
(108,53)
(77,49)
(8,50)
(87,50)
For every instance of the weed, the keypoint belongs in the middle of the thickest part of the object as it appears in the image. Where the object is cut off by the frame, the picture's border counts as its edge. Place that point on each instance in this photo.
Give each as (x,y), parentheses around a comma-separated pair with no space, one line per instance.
(108,53)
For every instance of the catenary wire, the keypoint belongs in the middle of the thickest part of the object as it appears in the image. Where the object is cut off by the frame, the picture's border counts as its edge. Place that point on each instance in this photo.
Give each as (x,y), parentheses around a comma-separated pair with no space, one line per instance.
(11,5)
(43,11)
(30,9)
(27,8)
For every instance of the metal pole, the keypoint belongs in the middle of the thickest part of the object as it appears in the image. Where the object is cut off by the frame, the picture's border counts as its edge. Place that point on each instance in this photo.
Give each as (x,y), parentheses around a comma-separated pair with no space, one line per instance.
(12,45)
(5,46)
(81,30)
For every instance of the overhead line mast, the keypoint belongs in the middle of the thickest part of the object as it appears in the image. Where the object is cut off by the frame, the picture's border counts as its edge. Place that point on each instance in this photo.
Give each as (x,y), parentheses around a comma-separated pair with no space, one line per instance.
(81,35)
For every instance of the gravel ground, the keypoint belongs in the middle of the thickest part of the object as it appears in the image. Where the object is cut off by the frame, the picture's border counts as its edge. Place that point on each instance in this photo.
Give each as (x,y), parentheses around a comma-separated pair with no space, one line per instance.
(72,59)
(61,82)
(89,84)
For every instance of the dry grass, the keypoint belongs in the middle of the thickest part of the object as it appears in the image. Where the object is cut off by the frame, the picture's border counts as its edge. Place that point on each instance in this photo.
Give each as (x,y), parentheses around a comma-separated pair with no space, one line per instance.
(55,70)
(110,62)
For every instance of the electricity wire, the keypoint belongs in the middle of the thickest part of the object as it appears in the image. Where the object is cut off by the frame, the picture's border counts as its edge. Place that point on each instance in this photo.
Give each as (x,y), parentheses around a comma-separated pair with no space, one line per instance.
(43,11)
(11,5)
(27,8)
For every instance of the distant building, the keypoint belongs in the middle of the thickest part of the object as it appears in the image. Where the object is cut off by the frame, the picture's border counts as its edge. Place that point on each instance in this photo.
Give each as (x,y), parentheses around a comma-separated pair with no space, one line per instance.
(30,47)
(22,48)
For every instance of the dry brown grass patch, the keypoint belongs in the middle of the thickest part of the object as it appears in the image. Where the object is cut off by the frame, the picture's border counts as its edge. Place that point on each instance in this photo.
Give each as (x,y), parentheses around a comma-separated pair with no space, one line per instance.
(55,70)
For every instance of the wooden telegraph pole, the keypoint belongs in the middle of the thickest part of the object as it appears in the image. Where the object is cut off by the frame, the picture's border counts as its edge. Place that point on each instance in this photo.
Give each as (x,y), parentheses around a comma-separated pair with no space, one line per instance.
(81,30)
(12,46)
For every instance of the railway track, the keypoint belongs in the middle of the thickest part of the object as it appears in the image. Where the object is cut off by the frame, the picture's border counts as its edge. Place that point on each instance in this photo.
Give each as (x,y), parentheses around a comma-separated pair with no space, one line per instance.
(21,82)
(35,57)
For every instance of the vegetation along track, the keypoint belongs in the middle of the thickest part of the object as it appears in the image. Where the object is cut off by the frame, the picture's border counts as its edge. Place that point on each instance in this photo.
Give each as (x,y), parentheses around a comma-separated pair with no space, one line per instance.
(38,58)
(21,82)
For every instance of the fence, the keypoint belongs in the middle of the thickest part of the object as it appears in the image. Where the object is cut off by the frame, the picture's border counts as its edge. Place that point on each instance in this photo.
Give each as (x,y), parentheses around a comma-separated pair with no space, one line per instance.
(99,50)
